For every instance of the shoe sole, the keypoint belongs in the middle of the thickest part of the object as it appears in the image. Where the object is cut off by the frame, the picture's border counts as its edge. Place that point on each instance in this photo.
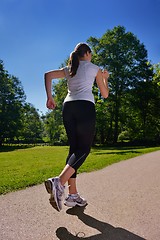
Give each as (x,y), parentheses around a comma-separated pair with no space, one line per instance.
(48,186)
(53,197)
(53,203)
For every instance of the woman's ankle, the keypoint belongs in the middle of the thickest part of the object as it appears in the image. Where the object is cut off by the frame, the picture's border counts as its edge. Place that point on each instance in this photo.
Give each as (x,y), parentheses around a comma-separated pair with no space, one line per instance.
(73,194)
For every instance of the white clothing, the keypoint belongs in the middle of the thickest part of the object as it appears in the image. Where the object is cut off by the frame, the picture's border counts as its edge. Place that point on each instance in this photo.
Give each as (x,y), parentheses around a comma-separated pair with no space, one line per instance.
(80,86)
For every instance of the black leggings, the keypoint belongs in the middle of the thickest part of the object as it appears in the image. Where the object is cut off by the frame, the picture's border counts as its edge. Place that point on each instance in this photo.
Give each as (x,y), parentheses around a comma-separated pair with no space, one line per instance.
(79,121)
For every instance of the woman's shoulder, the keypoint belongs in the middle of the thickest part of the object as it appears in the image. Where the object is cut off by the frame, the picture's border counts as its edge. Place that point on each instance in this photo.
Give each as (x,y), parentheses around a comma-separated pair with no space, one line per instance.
(93,66)
(66,71)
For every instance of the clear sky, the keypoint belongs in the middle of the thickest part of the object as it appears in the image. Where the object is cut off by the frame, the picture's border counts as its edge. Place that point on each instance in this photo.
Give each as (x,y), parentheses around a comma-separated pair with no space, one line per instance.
(38,35)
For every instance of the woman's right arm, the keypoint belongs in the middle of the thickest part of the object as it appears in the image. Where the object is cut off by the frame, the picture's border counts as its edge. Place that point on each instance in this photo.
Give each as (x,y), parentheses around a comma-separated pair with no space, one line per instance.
(102,82)
(48,77)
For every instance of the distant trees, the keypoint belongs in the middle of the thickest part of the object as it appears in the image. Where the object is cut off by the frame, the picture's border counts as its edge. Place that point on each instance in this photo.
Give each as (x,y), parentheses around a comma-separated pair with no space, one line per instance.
(12,98)
(32,127)
(18,120)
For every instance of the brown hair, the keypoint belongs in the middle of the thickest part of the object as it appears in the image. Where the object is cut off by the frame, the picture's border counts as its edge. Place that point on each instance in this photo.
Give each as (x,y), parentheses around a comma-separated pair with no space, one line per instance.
(78,52)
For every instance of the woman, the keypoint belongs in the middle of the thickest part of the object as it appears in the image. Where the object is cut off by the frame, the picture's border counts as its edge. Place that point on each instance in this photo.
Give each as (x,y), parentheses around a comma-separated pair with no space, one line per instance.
(78,118)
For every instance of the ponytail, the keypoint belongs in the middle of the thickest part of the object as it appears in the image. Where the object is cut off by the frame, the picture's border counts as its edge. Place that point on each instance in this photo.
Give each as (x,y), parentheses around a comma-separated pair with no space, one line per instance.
(78,52)
(73,63)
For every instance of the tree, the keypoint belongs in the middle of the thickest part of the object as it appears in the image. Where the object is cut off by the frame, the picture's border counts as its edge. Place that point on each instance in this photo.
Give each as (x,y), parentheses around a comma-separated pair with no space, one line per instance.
(32,127)
(143,120)
(126,59)
(12,99)
(156,77)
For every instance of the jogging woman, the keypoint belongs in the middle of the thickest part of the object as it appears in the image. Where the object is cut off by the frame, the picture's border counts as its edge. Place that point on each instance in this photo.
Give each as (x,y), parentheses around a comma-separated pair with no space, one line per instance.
(78,118)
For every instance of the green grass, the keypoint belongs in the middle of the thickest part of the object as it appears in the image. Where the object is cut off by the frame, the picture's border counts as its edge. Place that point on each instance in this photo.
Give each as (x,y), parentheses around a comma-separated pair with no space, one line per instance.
(24,167)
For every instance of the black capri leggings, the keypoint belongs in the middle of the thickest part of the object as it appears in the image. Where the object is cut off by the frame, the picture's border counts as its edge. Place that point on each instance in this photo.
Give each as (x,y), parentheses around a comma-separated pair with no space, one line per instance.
(79,121)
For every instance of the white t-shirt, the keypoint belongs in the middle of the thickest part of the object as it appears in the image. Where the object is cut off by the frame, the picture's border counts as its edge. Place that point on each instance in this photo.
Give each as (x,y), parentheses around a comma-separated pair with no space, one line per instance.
(80,86)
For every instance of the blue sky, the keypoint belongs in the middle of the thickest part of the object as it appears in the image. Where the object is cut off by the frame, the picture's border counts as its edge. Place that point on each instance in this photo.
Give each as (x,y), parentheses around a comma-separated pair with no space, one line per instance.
(38,35)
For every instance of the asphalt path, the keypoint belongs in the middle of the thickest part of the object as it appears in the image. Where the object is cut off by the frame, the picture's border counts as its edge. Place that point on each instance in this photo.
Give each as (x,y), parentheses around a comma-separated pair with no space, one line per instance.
(123,204)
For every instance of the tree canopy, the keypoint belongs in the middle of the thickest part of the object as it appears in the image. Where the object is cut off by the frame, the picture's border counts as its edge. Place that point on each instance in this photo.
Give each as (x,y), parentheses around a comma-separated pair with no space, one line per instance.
(126,59)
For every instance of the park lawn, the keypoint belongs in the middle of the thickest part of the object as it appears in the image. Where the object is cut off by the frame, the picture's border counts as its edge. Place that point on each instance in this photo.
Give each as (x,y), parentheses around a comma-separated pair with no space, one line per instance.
(24,167)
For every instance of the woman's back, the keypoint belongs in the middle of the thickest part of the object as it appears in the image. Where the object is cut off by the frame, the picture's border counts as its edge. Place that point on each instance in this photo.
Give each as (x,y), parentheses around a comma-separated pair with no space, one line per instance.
(80,86)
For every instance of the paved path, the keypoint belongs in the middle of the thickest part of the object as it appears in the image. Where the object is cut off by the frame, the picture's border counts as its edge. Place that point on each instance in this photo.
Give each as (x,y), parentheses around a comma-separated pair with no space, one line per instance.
(124,204)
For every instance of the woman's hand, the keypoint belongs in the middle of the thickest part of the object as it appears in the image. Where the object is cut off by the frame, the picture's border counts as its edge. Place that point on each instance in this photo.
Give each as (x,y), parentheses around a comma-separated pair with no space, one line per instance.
(102,82)
(50,103)
(105,74)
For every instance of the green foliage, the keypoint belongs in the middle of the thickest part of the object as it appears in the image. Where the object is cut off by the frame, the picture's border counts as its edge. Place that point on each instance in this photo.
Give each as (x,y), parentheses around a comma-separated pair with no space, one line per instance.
(12,98)
(32,127)
(19,120)
(145,105)
(126,59)
(156,77)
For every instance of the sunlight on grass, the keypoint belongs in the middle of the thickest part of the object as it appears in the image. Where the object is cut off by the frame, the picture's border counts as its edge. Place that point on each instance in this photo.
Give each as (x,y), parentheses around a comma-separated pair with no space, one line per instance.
(20,168)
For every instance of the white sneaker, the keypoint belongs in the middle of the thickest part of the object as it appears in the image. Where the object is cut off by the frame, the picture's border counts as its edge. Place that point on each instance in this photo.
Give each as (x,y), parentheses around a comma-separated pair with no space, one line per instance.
(72,201)
(56,191)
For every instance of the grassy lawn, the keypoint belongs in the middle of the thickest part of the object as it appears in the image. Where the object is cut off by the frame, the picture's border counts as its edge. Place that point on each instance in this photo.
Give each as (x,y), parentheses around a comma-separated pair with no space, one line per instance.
(24,167)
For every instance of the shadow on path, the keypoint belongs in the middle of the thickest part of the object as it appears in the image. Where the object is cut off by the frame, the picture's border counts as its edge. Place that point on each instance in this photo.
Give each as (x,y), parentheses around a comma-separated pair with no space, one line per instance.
(107,231)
